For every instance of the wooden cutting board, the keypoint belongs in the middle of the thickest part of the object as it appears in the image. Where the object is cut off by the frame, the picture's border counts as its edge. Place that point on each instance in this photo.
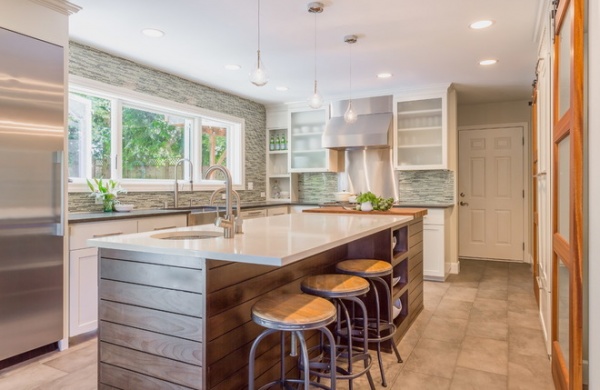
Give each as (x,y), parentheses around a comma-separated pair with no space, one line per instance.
(414,212)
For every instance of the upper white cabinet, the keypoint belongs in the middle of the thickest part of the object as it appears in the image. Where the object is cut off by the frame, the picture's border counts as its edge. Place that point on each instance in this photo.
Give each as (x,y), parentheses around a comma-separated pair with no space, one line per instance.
(425,130)
(281,184)
(305,133)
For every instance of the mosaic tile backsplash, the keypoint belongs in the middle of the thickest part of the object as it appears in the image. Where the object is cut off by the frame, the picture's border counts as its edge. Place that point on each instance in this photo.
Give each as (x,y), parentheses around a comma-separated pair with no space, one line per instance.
(317,187)
(426,187)
(96,65)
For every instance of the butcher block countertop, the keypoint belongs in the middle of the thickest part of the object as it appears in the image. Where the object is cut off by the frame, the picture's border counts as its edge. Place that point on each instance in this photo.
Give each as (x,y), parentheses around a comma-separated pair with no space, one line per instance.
(413,212)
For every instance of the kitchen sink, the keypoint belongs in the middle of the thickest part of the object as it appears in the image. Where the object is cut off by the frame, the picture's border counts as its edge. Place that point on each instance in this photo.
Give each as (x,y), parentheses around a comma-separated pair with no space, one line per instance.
(187,235)
(201,215)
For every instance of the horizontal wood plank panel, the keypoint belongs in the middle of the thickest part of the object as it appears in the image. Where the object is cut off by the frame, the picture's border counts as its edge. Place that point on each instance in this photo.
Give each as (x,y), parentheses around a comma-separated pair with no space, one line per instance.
(102,386)
(415,227)
(414,250)
(233,273)
(166,369)
(415,262)
(238,293)
(176,278)
(124,379)
(153,258)
(153,320)
(172,301)
(151,342)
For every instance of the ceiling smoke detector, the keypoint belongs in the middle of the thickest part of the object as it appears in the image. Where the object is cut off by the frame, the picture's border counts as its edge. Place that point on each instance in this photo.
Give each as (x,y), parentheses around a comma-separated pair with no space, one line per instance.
(315,7)
(350,38)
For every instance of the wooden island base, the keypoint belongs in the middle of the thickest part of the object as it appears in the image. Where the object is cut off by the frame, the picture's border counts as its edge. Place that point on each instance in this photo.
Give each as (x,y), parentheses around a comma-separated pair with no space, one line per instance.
(178,322)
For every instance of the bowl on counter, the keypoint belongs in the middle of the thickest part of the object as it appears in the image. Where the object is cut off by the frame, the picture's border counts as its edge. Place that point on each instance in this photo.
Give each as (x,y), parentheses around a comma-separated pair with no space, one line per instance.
(120,207)
(343,196)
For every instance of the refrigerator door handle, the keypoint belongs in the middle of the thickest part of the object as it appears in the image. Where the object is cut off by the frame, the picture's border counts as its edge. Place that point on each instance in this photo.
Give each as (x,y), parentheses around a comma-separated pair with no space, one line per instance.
(59,181)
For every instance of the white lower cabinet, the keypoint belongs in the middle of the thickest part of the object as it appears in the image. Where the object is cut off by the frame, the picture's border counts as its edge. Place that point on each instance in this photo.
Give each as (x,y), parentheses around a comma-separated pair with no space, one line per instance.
(436,244)
(83,263)
(279,210)
(257,213)
(83,287)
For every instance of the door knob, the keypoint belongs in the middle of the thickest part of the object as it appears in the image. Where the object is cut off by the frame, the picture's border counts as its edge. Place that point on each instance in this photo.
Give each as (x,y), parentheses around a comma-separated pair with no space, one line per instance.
(463,203)
(462,194)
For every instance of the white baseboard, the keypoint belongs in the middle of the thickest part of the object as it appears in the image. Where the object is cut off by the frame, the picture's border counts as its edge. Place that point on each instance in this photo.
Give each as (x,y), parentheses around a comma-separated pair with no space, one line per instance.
(63,344)
(455,268)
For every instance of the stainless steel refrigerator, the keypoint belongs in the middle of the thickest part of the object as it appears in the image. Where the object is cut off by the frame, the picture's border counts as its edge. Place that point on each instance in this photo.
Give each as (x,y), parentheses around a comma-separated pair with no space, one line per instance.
(31,193)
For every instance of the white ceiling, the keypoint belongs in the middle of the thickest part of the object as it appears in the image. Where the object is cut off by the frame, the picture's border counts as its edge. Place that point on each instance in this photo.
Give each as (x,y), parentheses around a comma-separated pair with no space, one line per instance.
(423,43)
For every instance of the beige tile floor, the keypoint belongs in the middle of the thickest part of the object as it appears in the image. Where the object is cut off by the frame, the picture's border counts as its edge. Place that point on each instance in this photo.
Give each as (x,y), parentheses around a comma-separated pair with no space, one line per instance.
(479,330)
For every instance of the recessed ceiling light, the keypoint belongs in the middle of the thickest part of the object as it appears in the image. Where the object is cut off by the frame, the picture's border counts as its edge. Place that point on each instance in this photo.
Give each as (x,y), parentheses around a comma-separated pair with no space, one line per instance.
(152,33)
(281,88)
(488,62)
(232,67)
(384,75)
(481,24)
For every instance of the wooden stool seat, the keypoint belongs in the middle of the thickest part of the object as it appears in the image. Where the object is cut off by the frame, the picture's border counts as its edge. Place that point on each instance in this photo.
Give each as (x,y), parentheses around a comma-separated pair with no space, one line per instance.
(364,267)
(293,312)
(335,285)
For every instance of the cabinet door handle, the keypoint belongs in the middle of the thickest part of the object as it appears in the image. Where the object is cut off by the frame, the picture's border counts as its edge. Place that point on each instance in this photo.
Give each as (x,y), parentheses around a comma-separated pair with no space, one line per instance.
(463,203)
(107,234)
(165,227)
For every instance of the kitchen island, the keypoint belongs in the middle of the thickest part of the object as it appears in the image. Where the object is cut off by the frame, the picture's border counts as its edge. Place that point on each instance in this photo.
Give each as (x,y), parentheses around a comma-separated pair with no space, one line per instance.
(175,313)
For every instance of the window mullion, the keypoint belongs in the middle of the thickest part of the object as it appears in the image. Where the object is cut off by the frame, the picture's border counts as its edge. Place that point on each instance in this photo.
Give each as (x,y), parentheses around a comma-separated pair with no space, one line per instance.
(116,139)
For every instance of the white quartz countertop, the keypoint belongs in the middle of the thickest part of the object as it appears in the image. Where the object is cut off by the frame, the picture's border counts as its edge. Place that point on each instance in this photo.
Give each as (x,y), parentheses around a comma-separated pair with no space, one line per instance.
(277,240)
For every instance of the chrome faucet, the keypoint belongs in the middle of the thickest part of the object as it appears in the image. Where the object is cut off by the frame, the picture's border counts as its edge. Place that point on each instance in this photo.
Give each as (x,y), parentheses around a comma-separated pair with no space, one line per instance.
(176,192)
(226,223)
(238,222)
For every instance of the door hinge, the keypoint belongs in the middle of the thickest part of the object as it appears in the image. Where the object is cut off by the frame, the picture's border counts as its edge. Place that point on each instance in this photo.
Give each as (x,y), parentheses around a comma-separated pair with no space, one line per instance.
(523,194)
(522,140)
(523,246)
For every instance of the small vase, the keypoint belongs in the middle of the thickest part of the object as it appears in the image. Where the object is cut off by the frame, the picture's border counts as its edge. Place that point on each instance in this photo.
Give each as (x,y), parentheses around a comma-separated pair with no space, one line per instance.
(108,205)
(366,206)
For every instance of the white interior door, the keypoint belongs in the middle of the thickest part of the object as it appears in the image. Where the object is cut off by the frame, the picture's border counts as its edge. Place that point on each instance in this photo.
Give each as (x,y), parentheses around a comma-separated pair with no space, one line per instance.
(491,196)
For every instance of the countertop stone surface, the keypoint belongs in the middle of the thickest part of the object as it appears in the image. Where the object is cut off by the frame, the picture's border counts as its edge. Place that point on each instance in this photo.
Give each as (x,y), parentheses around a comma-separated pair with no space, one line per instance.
(102,216)
(277,240)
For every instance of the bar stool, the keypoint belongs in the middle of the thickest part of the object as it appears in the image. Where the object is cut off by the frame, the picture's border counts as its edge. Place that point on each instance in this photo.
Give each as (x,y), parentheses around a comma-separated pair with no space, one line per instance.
(339,288)
(379,329)
(293,313)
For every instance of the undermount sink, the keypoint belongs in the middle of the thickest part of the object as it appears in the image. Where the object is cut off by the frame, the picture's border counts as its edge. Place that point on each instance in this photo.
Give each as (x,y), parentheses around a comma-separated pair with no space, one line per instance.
(187,235)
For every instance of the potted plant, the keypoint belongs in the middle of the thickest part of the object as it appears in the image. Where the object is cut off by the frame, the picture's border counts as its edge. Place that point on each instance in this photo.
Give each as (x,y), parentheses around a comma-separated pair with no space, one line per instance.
(106,191)
(368,201)
(365,201)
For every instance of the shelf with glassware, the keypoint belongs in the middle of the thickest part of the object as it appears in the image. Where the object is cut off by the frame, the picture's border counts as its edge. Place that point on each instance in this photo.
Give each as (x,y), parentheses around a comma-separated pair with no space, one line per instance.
(281,185)
(306,153)
(425,130)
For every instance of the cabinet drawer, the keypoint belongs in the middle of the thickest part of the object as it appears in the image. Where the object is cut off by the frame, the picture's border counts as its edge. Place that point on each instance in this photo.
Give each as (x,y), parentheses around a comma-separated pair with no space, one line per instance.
(159,223)
(281,210)
(253,214)
(435,217)
(81,232)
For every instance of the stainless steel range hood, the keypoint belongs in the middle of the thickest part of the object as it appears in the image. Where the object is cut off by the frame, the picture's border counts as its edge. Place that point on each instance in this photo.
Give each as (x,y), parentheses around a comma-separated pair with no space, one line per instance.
(372,130)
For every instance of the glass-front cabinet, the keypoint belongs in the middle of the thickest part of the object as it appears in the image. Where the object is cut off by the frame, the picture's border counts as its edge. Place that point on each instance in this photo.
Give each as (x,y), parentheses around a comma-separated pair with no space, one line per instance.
(425,130)
(306,153)
(281,184)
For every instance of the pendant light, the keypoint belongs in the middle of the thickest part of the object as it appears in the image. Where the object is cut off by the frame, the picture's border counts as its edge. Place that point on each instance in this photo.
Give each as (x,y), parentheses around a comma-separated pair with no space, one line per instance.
(350,115)
(258,76)
(315,100)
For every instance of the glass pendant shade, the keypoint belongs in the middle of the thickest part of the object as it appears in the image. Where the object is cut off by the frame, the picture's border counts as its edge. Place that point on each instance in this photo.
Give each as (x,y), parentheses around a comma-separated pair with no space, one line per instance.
(350,116)
(316,100)
(258,76)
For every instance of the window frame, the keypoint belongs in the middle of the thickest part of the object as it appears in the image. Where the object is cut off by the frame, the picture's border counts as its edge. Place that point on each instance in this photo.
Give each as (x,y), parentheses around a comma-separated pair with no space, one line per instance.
(120,96)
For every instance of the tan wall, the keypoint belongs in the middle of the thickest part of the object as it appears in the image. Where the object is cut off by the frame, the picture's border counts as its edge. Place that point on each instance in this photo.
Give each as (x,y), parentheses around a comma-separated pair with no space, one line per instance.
(494,113)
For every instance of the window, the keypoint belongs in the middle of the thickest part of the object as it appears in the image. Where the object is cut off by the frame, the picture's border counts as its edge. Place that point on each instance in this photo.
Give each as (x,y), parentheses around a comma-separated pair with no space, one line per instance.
(138,140)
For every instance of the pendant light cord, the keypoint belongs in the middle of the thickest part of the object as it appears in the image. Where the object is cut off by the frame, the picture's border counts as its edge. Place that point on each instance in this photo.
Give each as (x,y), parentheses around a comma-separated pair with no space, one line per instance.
(350,70)
(258,35)
(315,53)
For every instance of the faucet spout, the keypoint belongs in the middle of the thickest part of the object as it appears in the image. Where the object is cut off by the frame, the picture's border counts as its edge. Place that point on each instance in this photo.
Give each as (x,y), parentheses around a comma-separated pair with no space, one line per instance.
(238,222)
(228,222)
(176,191)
